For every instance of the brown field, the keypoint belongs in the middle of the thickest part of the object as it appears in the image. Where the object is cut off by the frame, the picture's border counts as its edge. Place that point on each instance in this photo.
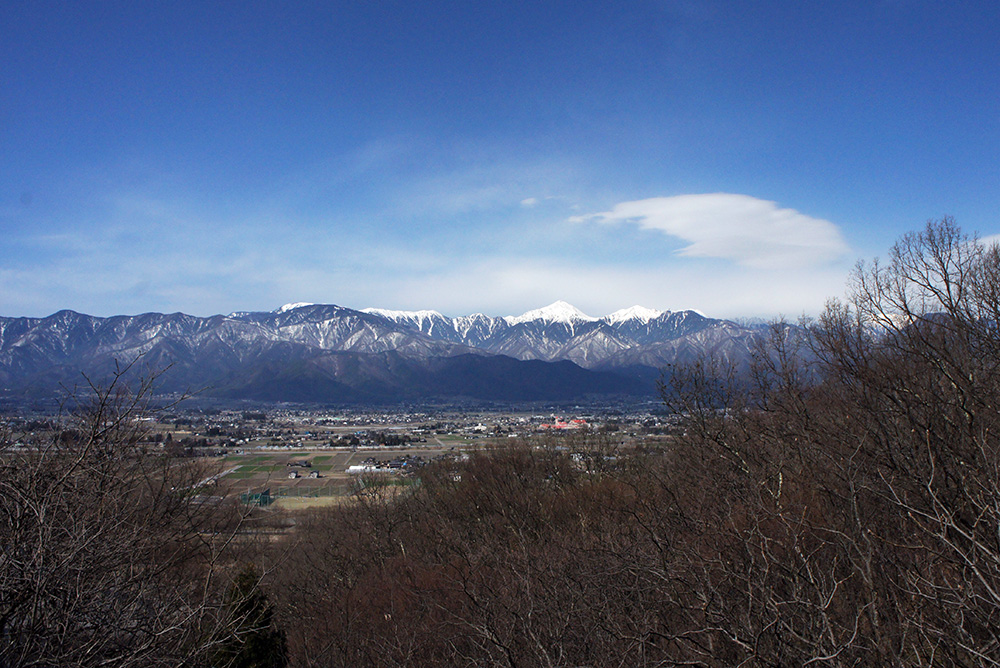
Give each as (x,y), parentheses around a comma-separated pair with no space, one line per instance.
(306,502)
(256,470)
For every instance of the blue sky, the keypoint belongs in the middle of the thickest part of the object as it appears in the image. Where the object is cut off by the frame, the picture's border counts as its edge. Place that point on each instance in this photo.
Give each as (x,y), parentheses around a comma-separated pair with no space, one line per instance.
(734,157)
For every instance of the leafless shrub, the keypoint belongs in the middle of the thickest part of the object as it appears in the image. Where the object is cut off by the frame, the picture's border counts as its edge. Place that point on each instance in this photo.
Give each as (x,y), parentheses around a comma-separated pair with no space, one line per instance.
(109,554)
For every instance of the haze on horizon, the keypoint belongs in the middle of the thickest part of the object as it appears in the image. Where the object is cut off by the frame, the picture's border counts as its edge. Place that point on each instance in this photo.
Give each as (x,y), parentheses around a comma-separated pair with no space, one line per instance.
(735,158)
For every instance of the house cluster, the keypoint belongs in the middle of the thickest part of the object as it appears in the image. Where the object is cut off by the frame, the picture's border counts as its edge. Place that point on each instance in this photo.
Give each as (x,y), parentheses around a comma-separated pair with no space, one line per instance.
(559,423)
(399,465)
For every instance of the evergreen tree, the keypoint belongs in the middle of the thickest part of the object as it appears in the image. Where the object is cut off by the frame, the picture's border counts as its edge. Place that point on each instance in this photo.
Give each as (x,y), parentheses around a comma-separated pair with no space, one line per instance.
(251,640)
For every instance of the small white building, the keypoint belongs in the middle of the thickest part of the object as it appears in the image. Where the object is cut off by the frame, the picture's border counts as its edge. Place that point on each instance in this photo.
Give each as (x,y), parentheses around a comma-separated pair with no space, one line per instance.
(358,469)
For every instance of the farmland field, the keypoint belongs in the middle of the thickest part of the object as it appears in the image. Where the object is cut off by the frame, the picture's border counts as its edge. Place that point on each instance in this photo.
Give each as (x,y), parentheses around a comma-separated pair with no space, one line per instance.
(255,471)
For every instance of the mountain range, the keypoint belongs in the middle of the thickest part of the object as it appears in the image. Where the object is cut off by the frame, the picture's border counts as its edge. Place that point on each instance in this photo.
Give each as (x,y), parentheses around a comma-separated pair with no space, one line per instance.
(332,354)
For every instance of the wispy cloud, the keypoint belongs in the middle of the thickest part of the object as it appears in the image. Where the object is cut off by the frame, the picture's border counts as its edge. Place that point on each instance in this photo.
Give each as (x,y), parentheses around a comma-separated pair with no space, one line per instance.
(481,181)
(744,229)
(490,237)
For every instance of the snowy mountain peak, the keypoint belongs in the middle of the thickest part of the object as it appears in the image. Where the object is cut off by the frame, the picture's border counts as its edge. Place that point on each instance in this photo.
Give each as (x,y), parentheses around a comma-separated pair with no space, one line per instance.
(558,311)
(293,306)
(640,313)
(427,322)
(402,315)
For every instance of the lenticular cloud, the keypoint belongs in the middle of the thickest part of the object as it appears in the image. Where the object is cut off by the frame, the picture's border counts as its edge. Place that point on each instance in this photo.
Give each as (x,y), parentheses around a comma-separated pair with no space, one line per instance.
(744,229)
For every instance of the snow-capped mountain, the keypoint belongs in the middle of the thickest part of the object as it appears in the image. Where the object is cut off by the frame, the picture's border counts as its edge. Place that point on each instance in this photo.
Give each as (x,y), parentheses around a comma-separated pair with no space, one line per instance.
(560,331)
(557,312)
(476,329)
(430,323)
(304,350)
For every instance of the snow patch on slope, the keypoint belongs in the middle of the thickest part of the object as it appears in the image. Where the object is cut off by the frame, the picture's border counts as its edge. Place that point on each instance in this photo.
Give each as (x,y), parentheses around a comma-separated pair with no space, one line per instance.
(424,321)
(640,313)
(485,324)
(293,306)
(402,315)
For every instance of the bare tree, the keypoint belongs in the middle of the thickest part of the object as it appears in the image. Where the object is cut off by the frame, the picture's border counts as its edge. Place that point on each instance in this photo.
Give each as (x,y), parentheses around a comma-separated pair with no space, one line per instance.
(109,555)
(836,504)
(917,355)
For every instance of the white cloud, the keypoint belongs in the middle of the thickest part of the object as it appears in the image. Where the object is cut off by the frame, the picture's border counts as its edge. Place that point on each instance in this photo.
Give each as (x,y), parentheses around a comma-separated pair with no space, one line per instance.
(201,285)
(747,230)
(504,286)
(991,240)
(165,253)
